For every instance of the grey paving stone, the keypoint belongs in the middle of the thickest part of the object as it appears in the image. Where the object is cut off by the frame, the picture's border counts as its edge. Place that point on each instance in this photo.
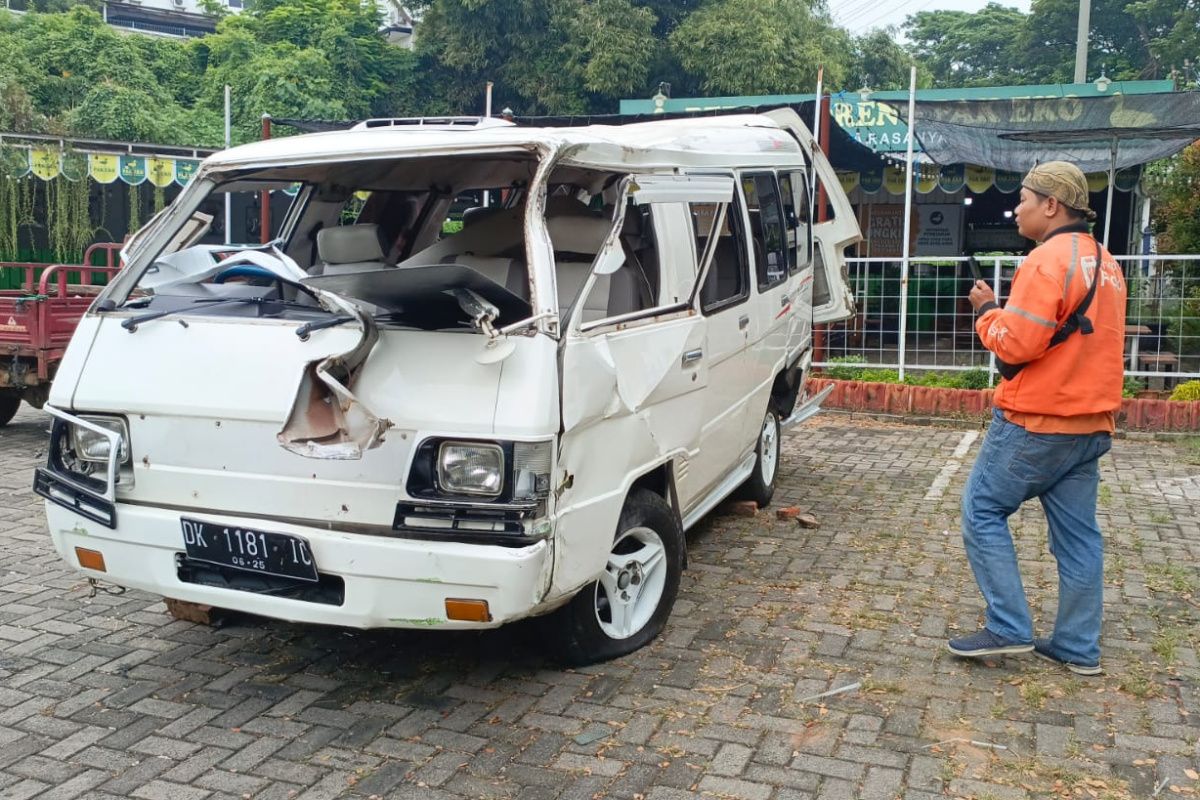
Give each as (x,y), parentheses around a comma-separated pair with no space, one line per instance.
(108,697)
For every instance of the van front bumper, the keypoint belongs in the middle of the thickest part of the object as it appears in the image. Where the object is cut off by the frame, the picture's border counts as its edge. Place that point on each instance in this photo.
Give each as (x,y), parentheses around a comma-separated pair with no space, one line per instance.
(386,582)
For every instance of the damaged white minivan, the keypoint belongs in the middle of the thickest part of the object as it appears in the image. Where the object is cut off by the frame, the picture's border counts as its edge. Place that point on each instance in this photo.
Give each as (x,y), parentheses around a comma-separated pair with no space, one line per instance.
(382,420)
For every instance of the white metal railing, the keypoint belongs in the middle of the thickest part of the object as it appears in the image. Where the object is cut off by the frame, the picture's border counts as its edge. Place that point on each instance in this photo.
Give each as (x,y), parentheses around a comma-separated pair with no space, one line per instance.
(1162,316)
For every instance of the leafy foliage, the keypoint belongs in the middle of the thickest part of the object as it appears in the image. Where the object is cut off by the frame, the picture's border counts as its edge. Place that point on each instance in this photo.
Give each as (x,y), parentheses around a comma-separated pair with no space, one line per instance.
(761,46)
(1175,187)
(1188,391)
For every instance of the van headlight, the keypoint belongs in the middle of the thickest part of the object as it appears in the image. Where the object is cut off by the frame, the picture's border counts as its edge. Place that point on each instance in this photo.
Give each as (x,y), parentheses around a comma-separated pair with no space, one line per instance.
(471,468)
(93,447)
(484,471)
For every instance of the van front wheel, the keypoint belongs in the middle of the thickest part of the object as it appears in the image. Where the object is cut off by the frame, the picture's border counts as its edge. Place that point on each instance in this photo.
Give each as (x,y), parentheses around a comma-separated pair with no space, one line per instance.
(628,604)
(760,486)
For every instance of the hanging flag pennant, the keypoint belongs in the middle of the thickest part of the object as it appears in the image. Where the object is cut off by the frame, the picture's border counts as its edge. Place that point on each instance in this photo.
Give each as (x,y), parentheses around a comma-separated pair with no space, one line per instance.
(74,166)
(1097,181)
(951,178)
(871,180)
(46,164)
(293,189)
(926,178)
(1127,178)
(133,170)
(1007,182)
(14,163)
(104,168)
(980,179)
(848,179)
(160,171)
(893,180)
(184,170)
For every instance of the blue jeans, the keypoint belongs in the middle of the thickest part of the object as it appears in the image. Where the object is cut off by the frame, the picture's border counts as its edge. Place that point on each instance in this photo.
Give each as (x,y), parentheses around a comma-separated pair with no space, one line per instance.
(1060,470)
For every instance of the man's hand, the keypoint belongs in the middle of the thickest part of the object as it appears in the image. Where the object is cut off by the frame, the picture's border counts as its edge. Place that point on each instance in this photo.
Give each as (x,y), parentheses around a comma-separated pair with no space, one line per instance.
(981,293)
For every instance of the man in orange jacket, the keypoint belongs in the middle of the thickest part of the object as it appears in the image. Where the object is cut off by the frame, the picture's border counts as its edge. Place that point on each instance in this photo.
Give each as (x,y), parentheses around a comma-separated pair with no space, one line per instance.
(1059,341)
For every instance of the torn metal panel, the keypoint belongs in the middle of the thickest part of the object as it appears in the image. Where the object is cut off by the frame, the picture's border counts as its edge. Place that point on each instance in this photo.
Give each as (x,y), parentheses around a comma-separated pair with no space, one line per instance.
(327,421)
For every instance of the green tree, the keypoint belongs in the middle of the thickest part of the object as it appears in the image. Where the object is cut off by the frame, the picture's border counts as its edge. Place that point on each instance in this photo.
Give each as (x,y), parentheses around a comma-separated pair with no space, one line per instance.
(961,48)
(878,62)
(761,47)
(1175,189)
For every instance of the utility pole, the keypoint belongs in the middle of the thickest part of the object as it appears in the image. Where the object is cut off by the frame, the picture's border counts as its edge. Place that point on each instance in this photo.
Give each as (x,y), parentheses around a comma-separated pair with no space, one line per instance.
(1081,41)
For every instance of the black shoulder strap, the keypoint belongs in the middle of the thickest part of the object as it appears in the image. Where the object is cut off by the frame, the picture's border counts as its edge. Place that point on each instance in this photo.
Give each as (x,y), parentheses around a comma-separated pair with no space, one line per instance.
(1077,321)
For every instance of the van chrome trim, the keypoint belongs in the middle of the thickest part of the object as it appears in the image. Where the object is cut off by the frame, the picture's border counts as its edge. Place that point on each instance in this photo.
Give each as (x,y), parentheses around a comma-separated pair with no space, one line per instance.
(810,407)
(725,488)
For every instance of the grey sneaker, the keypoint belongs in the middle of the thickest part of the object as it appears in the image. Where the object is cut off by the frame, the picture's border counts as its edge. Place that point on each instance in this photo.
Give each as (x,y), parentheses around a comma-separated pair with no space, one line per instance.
(1041,649)
(985,643)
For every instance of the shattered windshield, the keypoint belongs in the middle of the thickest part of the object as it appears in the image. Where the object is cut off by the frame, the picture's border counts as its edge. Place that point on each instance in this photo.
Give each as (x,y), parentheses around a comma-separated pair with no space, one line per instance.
(433,243)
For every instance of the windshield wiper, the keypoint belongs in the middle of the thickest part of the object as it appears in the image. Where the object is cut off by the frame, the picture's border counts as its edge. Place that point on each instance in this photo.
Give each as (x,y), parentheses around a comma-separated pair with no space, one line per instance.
(306,330)
(132,323)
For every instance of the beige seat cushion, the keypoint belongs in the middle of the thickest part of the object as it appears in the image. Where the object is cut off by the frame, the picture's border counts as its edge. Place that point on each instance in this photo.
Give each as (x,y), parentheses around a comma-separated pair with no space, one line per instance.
(349,248)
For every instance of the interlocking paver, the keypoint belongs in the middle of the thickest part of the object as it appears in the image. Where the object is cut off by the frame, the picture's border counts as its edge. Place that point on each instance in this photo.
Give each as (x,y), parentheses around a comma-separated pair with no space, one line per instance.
(109,697)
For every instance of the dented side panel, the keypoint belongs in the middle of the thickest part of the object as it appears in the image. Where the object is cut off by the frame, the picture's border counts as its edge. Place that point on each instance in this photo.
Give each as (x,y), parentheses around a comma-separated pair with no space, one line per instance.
(631,402)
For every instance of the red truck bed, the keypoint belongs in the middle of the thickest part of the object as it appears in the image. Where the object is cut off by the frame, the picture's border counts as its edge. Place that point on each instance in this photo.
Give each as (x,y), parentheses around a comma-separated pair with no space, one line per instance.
(38,319)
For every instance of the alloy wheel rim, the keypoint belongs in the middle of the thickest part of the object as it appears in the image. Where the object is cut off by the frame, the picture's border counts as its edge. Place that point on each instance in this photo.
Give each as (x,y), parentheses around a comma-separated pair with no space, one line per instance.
(631,587)
(768,449)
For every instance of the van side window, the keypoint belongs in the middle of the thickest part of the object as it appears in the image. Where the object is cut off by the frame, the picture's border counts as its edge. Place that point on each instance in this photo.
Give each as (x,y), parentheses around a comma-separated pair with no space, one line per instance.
(793,188)
(727,282)
(767,230)
(633,287)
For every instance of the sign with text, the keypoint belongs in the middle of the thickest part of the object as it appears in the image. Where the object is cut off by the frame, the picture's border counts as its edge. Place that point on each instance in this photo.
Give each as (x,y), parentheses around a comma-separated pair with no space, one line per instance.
(939,229)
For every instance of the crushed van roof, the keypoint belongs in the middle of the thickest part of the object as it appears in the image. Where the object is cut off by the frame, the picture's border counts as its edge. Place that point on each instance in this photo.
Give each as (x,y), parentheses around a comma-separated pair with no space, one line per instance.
(709,141)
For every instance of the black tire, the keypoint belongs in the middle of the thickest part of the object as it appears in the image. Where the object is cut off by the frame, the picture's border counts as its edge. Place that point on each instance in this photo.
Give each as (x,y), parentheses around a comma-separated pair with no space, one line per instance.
(10,401)
(579,632)
(760,486)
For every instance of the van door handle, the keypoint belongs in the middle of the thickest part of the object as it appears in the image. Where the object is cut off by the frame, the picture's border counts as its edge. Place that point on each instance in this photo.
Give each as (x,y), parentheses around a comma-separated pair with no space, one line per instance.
(743,321)
(784,300)
(692,356)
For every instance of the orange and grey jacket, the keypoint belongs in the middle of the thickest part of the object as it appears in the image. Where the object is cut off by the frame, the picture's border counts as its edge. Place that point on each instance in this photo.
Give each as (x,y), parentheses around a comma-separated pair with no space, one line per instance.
(1083,376)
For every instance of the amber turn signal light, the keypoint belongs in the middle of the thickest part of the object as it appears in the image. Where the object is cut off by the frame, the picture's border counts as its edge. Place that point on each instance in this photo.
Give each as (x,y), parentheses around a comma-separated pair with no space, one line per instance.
(90,559)
(468,610)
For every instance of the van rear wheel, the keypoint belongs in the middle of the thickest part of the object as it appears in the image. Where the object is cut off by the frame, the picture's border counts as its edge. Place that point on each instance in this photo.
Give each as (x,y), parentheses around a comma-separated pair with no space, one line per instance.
(760,486)
(628,604)
(10,401)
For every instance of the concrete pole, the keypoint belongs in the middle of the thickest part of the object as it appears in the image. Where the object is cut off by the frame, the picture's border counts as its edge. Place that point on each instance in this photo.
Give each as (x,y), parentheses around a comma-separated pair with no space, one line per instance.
(1081,40)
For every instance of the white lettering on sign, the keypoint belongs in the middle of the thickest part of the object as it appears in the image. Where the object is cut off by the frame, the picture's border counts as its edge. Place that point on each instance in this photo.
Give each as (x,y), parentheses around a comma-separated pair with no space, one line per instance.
(193,534)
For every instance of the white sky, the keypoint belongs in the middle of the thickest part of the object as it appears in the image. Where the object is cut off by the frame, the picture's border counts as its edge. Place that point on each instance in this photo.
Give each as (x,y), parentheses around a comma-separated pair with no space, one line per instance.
(860,16)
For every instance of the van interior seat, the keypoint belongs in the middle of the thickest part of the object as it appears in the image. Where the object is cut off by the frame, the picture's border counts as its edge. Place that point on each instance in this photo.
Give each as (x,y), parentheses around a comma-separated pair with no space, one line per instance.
(349,248)
(577,239)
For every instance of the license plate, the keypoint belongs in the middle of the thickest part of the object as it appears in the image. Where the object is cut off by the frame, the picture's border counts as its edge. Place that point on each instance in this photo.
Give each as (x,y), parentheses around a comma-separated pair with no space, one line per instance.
(278,554)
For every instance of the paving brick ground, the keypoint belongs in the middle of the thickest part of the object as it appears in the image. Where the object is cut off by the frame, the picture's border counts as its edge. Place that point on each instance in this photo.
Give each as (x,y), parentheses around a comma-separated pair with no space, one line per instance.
(109,697)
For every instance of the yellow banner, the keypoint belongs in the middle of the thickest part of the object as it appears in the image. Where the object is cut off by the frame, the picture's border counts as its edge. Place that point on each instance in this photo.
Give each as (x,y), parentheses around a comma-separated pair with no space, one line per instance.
(980,179)
(849,180)
(160,171)
(102,168)
(46,164)
(893,180)
(926,178)
(1097,181)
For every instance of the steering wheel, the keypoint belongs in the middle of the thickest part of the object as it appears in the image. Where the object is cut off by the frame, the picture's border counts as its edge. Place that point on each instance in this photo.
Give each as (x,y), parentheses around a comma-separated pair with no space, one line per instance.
(245,271)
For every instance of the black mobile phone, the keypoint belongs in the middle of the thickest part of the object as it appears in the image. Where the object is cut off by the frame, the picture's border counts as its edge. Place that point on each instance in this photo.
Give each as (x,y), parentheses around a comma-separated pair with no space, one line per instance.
(976,270)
